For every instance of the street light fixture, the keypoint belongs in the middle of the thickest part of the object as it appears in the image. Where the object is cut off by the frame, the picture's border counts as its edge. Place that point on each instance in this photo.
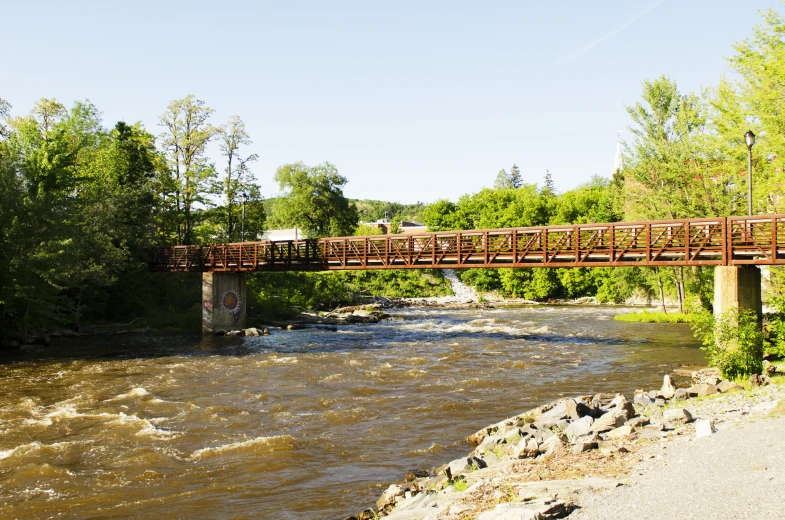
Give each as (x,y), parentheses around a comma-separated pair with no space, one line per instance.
(749,138)
(244,198)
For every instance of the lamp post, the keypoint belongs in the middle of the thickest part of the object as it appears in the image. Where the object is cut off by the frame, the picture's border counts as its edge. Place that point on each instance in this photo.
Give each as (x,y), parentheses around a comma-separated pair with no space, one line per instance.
(244,198)
(749,138)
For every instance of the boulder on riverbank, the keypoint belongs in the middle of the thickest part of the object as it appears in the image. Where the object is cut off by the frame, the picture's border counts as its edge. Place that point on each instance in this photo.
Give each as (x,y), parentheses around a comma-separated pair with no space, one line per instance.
(341,316)
(584,431)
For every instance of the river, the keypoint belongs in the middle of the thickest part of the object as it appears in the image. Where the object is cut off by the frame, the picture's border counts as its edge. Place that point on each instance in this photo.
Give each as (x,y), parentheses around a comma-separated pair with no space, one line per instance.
(307,424)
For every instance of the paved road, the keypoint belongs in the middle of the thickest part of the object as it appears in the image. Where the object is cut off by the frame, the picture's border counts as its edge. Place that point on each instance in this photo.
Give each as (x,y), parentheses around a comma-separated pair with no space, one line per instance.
(738,472)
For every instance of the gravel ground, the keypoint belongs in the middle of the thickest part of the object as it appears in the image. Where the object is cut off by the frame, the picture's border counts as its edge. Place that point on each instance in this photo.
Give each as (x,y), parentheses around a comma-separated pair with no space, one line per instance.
(738,472)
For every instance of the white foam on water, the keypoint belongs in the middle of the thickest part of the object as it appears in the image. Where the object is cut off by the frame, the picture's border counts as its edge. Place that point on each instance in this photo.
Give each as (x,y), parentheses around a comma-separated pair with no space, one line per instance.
(149,430)
(488,325)
(540,330)
(27,403)
(283,441)
(39,422)
(276,360)
(146,427)
(31,448)
(334,377)
(24,449)
(134,392)
(461,291)
(433,448)
(62,411)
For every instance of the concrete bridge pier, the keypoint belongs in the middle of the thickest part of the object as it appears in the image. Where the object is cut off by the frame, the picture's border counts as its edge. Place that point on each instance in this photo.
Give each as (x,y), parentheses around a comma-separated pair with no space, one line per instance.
(737,287)
(223,301)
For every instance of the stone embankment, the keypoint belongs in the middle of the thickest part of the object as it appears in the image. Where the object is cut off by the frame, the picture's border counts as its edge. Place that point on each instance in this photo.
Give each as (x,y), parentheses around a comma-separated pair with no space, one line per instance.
(542,463)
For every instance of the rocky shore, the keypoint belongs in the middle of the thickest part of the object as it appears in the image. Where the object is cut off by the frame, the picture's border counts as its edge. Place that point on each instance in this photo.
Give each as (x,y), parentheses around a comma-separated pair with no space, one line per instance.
(546,462)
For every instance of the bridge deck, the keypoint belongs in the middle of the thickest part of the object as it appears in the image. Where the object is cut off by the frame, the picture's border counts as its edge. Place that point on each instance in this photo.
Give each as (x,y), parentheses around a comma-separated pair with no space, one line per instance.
(709,241)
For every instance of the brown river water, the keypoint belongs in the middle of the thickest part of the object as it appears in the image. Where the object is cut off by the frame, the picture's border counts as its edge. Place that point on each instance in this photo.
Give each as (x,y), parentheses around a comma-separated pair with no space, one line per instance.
(308,424)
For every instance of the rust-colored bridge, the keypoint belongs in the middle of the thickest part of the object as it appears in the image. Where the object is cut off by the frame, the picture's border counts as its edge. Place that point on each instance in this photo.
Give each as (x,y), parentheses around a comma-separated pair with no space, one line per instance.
(725,241)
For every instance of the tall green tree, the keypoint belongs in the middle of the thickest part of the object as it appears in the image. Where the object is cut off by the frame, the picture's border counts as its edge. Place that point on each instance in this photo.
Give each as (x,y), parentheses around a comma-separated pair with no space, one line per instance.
(314,200)
(502,181)
(757,102)
(191,175)
(5,112)
(666,158)
(238,182)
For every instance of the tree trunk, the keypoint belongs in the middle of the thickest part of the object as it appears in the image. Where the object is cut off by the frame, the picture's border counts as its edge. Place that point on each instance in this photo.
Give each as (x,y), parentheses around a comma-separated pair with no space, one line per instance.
(662,291)
(79,311)
(27,313)
(680,288)
(229,195)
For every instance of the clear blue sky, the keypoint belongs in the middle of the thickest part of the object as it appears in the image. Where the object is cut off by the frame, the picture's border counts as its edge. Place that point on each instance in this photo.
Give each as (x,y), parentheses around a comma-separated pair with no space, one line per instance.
(411,100)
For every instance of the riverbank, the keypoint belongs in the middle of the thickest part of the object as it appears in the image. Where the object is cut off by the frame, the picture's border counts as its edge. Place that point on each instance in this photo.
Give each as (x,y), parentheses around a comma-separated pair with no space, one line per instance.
(593,456)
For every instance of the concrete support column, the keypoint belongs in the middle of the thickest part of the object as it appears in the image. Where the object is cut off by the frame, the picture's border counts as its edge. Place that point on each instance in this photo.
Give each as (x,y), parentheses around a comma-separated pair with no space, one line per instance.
(223,301)
(737,287)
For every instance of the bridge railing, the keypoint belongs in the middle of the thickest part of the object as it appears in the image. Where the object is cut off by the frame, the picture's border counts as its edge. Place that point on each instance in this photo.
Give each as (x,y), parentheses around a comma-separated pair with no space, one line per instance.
(707,241)
(757,240)
(246,256)
(693,241)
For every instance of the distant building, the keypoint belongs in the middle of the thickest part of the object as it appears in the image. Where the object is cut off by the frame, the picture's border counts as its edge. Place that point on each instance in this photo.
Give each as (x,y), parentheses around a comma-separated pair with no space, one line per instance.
(382,224)
(410,228)
(274,235)
(405,227)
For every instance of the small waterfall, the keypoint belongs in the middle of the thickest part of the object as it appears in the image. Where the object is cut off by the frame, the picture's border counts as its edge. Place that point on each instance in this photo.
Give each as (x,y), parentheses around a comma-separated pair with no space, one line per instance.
(462,291)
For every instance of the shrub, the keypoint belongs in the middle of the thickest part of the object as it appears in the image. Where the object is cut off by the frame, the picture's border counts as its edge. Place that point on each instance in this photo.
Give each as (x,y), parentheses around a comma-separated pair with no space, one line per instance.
(654,317)
(734,341)
(774,340)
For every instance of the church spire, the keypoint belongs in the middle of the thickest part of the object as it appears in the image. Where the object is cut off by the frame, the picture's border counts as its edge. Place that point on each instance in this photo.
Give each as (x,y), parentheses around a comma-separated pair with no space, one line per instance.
(619,166)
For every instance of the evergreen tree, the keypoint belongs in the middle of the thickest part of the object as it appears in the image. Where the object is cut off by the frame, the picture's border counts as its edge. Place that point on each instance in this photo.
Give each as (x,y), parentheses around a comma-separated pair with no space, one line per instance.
(516,181)
(548,187)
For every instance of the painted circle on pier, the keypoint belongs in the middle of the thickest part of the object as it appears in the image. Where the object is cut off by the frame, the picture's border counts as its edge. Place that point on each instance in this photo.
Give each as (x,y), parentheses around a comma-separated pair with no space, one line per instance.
(230,301)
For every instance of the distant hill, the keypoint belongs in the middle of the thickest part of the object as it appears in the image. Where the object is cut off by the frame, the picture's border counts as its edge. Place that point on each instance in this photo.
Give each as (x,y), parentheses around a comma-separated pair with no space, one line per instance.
(371,210)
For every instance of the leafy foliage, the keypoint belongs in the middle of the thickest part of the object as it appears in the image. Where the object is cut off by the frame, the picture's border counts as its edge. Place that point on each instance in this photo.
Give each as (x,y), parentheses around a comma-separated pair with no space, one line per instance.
(314,200)
(280,295)
(733,341)
(372,210)
(654,317)
(774,328)
(190,175)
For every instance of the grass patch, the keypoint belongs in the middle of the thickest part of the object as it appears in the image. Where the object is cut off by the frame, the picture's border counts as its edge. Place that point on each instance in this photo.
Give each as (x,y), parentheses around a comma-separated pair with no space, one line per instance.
(778,379)
(779,410)
(460,484)
(654,317)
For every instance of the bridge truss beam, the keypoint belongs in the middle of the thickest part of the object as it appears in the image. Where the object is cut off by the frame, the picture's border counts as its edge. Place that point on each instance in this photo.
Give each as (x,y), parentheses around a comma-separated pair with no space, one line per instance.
(757,240)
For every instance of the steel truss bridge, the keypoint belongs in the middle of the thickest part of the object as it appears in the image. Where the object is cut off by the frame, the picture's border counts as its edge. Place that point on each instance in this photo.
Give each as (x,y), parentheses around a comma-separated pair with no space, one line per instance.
(756,240)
